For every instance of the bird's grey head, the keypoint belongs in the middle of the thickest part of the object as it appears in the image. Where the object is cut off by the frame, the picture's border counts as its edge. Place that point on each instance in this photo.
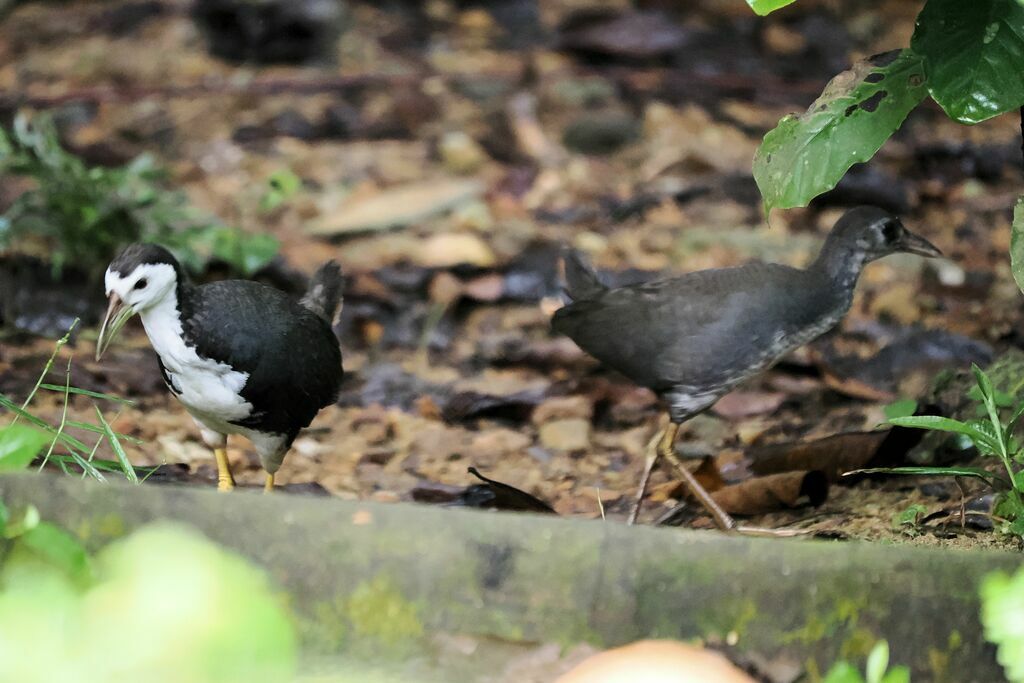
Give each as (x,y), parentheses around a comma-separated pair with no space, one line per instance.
(873,233)
(142,276)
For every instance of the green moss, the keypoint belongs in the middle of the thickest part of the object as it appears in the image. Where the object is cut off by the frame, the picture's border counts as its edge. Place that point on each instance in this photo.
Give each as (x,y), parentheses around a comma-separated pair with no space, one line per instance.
(730,616)
(382,618)
(939,660)
(858,644)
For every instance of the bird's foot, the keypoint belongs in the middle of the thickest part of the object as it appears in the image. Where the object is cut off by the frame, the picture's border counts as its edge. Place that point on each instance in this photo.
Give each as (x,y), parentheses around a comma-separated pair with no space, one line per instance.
(225,480)
(268,485)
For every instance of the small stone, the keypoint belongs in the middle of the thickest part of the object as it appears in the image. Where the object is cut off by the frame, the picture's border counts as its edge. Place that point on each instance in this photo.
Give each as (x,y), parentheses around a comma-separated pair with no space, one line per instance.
(571,434)
(563,408)
(460,153)
(601,132)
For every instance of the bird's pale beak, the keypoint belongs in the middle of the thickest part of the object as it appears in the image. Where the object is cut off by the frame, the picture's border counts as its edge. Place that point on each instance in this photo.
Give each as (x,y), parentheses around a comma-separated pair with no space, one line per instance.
(118,313)
(915,244)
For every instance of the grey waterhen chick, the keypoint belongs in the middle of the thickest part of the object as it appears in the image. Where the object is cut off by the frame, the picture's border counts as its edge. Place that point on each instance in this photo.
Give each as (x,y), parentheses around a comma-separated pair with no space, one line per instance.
(242,357)
(693,338)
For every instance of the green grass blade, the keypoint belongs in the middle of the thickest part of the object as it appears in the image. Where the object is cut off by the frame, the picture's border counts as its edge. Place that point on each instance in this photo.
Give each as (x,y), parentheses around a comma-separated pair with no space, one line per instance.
(63,416)
(66,439)
(86,392)
(975,472)
(85,426)
(115,444)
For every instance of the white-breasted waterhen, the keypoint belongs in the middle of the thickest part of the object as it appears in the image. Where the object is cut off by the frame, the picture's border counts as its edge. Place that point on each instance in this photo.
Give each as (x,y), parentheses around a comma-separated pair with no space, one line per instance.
(691,339)
(242,357)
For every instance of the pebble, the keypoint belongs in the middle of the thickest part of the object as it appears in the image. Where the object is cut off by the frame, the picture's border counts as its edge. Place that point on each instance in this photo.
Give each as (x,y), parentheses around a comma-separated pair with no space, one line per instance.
(571,434)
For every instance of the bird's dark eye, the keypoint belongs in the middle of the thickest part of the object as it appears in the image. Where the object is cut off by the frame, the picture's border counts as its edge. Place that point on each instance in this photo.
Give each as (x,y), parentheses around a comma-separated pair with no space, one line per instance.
(891,230)
(141,283)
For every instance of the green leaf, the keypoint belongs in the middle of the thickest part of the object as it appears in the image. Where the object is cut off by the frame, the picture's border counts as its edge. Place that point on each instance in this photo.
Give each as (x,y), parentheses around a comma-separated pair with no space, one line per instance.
(991,445)
(905,407)
(764,7)
(974,56)
(19,445)
(85,392)
(945,424)
(856,113)
(976,472)
(282,186)
(878,662)
(909,516)
(244,252)
(1017,243)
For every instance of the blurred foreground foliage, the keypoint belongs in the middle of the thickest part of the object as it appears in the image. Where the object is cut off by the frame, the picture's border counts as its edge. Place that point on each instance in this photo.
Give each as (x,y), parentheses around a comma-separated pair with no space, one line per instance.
(163,605)
(81,215)
(1002,614)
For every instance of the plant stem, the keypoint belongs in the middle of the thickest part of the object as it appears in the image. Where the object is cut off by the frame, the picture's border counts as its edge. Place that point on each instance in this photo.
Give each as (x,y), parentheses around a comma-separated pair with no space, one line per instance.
(46,369)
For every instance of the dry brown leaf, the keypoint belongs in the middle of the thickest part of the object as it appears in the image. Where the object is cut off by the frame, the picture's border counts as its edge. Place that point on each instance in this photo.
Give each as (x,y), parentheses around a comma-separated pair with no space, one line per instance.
(773,492)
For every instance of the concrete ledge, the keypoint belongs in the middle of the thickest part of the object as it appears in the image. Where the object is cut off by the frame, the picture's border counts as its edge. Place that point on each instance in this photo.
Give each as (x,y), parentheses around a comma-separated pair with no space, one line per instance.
(521,577)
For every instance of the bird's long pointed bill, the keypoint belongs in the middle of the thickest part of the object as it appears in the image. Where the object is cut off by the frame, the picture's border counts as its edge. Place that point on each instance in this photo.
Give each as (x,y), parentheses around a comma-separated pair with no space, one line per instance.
(118,313)
(915,244)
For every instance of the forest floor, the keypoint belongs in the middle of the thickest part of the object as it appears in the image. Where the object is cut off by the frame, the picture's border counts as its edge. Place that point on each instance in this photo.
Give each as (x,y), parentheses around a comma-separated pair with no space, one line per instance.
(448,154)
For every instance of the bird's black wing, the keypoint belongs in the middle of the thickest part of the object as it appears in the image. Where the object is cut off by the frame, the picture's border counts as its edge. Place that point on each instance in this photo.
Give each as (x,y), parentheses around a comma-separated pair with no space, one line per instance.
(290,354)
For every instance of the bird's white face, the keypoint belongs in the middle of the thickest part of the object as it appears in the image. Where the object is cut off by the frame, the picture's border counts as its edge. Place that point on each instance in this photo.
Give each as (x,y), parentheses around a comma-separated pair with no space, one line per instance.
(147,285)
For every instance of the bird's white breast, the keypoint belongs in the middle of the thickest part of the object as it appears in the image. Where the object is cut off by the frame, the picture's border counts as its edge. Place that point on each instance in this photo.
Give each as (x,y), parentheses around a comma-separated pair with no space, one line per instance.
(209,389)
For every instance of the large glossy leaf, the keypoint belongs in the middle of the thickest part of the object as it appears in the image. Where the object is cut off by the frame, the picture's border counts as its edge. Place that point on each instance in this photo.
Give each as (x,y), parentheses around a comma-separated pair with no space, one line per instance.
(764,7)
(1017,243)
(859,109)
(974,55)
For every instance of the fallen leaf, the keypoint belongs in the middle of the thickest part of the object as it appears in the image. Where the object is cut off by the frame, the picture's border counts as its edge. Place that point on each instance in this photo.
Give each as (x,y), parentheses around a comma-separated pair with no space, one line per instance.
(773,492)
(836,454)
(496,495)
(395,207)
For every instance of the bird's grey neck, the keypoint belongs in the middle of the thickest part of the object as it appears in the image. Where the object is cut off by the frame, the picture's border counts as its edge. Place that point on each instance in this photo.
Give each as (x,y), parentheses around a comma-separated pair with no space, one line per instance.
(840,266)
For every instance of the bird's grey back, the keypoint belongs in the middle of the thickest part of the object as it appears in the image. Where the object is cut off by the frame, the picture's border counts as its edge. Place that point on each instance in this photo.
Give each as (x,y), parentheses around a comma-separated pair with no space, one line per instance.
(707,329)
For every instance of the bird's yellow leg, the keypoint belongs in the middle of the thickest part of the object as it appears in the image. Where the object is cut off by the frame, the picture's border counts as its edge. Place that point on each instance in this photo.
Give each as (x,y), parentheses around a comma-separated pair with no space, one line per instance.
(268,485)
(225,481)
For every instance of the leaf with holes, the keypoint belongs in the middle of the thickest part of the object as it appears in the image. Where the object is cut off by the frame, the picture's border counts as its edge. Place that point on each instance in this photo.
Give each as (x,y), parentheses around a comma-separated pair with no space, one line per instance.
(806,155)
(974,56)
(1017,243)
(764,7)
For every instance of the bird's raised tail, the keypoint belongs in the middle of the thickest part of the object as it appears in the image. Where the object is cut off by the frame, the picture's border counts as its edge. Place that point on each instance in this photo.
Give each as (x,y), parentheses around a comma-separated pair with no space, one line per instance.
(323,296)
(581,282)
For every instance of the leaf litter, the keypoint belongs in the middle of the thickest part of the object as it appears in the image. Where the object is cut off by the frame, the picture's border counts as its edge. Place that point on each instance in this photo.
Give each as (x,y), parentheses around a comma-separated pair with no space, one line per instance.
(450,364)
